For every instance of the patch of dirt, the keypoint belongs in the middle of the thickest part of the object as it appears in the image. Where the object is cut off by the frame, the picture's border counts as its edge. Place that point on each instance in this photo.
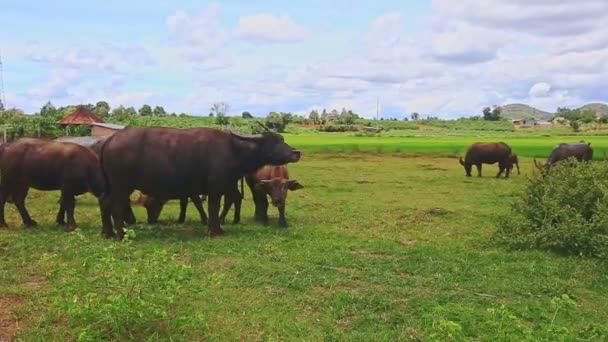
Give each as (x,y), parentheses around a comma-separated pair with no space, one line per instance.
(36,282)
(182,260)
(363,181)
(437,211)
(9,323)
(221,262)
(408,243)
(430,167)
(367,253)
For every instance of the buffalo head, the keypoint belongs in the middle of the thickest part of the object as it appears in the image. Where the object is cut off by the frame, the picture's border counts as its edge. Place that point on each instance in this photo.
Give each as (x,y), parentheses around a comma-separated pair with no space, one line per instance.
(277,189)
(270,148)
(467,167)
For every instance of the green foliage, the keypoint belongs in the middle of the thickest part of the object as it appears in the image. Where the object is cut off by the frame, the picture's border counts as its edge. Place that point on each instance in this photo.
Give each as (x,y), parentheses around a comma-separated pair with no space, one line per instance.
(159,111)
(102,109)
(492,114)
(566,210)
(583,115)
(221,119)
(145,110)
(276,121)
(246,115)
(338,128)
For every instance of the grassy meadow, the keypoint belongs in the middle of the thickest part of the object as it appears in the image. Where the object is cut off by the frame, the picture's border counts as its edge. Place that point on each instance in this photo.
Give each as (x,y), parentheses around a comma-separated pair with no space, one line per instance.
(387,241)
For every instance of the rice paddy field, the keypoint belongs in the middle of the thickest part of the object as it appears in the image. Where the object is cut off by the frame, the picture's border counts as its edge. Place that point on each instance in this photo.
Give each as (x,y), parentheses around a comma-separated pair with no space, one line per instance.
(388,241)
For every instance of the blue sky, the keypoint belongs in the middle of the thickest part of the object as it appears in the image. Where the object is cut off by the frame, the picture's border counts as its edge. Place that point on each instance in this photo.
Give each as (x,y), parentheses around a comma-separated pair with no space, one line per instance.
(442,58)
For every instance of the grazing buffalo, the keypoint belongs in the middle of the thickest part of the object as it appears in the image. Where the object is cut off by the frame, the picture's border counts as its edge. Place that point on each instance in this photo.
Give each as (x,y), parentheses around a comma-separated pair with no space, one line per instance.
(174,163)
(48,165)
(514,161)
(488,153)
(581,151)
(271,181)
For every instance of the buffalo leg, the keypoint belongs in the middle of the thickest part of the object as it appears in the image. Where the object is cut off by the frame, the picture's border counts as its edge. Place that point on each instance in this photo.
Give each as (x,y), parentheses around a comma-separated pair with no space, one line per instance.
(118,214)
(105,208)
(198,204)
(153,210)
(3,195)
(68,202)
(226,208)
(478,170)
(129,215)
(214,210)
(19,198)
(183,205)
(282,219)
(238,200)
(263,205)
(61,213)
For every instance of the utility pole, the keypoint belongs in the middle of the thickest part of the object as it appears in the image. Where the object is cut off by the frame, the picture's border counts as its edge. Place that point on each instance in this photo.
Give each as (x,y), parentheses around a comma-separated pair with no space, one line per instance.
(2,98)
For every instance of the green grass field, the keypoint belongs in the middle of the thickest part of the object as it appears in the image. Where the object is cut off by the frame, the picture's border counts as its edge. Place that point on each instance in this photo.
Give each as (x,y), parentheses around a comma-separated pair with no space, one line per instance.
(381,247)
(528,146)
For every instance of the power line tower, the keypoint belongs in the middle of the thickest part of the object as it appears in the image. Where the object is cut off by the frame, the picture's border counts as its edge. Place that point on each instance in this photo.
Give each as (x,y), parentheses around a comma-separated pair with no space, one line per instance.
(2,98)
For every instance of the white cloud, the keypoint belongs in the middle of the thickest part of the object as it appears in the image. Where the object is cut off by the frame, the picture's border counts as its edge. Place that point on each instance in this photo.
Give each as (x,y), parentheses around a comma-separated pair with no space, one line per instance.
(57,85)
(540,17)
(270,28)
(540,89)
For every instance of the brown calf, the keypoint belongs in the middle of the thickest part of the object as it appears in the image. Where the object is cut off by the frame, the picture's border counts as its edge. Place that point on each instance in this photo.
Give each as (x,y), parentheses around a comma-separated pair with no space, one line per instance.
(271,181)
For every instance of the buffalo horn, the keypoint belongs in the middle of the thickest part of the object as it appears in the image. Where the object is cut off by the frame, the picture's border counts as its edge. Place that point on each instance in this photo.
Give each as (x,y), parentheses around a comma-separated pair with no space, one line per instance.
(261,124)
(245,136)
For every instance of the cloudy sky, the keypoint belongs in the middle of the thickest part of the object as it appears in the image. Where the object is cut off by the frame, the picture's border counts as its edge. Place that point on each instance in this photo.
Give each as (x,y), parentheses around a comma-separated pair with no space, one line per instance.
(441,57)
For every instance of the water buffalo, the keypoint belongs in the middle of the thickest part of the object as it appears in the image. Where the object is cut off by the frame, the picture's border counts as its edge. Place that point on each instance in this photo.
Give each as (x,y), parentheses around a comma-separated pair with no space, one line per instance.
(48,165)
(173,163)
(581,151)
(152,205)
(271,181)
(488,153)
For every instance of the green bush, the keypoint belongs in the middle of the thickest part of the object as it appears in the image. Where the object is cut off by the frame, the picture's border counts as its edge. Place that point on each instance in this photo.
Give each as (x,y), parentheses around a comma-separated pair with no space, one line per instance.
(566,210)
(338,128)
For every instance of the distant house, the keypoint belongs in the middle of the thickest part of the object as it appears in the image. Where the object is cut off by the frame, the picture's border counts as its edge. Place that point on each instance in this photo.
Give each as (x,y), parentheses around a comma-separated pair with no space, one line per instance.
(543,124)
(333,115)
(100,129)
(81,116)
(518,122)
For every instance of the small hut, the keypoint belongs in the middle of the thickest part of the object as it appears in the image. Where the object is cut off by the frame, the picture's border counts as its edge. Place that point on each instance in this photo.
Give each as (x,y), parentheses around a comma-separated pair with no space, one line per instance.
(81,116)
(99,129)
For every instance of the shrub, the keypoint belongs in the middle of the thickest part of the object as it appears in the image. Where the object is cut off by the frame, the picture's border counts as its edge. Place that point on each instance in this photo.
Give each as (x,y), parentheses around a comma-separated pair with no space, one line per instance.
(566,210)
(338,128)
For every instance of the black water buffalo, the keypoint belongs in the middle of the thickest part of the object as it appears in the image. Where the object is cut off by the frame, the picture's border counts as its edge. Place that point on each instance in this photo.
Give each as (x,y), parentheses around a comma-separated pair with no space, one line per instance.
(153,206)
(173,163)
(581,151)
(271,181)
(48,165)
(488,153)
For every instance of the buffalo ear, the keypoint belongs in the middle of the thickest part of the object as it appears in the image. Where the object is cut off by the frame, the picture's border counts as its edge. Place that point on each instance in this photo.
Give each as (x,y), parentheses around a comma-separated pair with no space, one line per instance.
(294,185)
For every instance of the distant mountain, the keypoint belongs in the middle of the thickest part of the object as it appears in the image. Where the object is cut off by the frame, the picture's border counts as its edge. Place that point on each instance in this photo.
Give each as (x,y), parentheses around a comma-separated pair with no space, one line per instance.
(522,111)
(599,108)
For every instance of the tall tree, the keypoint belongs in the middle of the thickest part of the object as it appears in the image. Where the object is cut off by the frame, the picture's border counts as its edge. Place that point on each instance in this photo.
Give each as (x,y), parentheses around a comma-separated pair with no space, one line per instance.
(48,110)
(247,115)
(314,116)
(145,110)
(102,109)
(415,116)
(219,108)
(159,111)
